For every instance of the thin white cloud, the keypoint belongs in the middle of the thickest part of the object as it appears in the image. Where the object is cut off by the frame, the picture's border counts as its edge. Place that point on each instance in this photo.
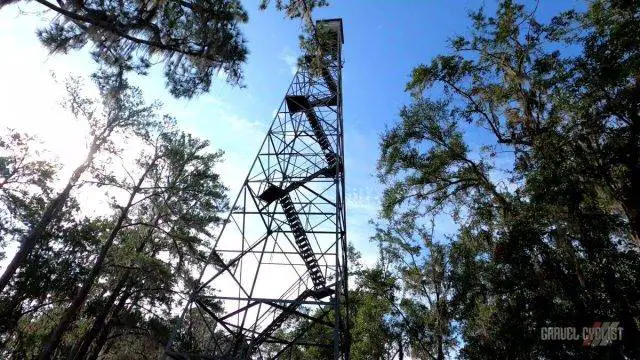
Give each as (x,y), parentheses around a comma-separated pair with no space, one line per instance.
(290,58)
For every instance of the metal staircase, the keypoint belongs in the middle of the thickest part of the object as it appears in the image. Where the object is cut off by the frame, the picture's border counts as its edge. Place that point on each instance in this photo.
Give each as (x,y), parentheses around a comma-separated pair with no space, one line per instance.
(302,241)
(279,320)
(295,104)
(287,312)
(301,103)
(290,207)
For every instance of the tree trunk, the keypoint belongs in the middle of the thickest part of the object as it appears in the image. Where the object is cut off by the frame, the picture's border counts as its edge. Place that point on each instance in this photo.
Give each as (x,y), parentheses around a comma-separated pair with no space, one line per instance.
(104,333)
(439,324)
(81,348)
(51,213)
(72,311)
(631,334)
(633,214)
(99,323)
(632,203)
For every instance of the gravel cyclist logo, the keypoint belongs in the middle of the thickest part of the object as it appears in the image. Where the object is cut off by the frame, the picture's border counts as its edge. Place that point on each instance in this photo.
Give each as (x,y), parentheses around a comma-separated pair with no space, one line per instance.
(600,334)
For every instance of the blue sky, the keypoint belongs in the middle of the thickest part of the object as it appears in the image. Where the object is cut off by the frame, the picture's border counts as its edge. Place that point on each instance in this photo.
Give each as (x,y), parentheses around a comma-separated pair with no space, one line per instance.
(384,40)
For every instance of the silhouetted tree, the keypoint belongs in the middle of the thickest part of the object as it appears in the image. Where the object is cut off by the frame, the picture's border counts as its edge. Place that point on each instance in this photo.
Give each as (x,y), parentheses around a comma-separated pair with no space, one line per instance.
(531,150)
(122,111)
(195,39)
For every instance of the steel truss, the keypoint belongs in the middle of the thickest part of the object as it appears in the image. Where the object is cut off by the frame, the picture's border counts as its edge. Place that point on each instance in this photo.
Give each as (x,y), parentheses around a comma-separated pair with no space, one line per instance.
(278,267)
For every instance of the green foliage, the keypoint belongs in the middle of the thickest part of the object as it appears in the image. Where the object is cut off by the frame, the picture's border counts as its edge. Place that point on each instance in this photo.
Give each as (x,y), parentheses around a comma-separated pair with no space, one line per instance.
(545,205)
(83,285)
(108,284)
(295,8)
(195,39)
(24,183)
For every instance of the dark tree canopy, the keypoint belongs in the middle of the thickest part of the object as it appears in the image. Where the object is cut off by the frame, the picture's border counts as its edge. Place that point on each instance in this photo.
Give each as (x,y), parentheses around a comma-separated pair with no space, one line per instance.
(527,135)
(295,8)
(196,39)
(86,285)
